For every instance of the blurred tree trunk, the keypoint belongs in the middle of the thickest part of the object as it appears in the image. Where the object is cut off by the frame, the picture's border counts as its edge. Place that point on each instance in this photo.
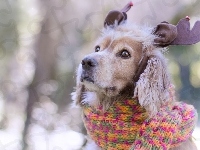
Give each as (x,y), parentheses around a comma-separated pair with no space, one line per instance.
(44,66)
(185,79)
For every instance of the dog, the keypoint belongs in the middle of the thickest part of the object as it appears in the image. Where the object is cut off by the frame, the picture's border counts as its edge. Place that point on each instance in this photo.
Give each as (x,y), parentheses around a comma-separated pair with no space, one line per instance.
(126,79)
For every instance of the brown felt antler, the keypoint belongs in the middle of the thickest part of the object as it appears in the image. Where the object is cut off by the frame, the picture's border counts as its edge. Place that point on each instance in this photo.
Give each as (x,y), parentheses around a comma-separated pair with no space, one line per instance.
(185,35)
(115,15)
(166,34)
(180,34)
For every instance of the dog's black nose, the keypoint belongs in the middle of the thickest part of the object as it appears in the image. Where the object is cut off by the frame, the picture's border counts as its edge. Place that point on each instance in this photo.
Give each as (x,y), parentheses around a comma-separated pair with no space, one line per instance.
(88,63)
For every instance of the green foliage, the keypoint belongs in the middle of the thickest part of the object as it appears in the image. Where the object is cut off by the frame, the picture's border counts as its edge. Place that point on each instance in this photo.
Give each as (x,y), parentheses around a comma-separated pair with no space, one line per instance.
(9,18)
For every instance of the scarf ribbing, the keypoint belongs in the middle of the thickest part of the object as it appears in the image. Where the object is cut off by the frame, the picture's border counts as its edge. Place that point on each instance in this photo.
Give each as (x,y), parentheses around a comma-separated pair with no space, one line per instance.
(125,125)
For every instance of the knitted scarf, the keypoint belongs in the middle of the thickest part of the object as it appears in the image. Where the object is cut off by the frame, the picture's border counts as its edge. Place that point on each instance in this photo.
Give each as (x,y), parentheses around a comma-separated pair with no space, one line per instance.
(125,125)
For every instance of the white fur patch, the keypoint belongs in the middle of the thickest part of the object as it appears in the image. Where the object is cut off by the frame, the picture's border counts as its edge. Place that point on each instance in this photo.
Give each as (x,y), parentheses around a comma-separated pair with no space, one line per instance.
(74,98)
(90,98)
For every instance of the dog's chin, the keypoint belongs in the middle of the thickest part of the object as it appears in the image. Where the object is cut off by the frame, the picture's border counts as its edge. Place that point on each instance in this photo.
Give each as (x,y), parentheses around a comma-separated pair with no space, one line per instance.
(90,85)
(87,80)
(109,91)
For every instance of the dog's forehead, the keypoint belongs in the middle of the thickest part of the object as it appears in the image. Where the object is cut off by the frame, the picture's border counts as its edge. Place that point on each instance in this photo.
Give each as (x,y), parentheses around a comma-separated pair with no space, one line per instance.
(105,41)
(116,38)
(137,33)
(114,34)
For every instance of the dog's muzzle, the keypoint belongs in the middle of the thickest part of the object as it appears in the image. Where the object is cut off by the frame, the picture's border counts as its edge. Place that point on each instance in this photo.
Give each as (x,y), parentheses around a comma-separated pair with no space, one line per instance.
(88,66)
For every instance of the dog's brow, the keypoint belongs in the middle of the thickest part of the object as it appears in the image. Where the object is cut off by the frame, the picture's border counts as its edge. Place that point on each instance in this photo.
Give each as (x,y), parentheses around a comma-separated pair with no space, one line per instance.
(105,43)
(125,41)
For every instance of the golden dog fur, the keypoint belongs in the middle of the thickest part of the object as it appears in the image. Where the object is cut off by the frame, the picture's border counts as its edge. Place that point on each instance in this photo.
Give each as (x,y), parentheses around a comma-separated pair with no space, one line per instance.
(112,78)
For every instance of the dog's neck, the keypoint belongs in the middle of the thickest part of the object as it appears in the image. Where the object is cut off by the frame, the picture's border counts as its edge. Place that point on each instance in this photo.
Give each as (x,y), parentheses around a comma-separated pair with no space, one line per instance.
(106,101)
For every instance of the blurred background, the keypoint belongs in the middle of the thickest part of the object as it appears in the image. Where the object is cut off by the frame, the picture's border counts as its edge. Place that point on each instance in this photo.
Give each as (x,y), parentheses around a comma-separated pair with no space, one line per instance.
(41,44)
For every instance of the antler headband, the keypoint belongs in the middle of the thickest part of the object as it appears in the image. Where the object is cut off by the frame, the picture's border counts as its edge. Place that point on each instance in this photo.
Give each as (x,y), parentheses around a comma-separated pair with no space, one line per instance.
(167,33)
(117,16)
(180,34)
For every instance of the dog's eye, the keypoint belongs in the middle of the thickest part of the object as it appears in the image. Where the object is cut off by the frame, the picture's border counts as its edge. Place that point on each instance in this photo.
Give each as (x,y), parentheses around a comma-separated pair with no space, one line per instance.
(125,54)
(97,48)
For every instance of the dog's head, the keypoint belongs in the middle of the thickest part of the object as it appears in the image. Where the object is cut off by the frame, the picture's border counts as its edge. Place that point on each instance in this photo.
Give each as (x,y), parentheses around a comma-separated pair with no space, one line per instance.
(112,65)
(128,60)
(110,70)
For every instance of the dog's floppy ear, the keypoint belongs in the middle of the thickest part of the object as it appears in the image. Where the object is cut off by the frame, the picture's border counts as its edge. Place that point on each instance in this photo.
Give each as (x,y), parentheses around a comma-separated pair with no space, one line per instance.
(152,87)
(77,94)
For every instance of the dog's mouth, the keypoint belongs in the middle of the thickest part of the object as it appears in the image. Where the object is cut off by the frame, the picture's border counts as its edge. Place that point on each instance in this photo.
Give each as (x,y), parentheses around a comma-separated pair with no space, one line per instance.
(87,78)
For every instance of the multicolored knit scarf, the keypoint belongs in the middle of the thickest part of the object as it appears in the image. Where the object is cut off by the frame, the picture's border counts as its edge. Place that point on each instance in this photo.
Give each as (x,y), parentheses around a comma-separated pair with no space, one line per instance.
(125,125)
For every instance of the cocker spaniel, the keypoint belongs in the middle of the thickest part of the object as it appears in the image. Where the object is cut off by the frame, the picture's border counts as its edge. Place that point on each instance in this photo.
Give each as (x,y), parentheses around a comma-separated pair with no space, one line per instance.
(124,87)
